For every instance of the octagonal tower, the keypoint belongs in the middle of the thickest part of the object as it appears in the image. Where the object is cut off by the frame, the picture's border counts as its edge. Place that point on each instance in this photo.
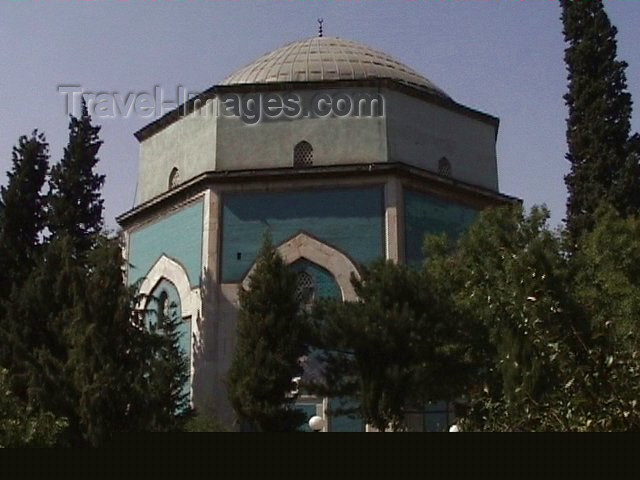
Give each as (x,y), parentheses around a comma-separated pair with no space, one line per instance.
(337,187)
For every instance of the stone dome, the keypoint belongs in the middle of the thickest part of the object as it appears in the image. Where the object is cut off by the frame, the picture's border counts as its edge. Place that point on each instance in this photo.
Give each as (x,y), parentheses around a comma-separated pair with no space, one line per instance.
(318,59)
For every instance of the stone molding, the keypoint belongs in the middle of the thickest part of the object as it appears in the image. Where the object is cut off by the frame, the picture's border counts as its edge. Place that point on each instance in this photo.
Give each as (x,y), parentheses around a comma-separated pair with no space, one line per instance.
(323,255)
(169,269)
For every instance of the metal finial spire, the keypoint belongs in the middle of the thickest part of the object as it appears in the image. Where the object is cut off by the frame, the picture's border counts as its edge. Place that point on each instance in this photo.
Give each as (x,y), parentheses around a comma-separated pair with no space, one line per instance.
(320,22)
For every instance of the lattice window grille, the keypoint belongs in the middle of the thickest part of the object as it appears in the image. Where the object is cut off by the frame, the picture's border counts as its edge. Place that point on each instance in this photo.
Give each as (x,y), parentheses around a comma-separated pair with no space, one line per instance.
(305,289)
(303,155)
(444,167)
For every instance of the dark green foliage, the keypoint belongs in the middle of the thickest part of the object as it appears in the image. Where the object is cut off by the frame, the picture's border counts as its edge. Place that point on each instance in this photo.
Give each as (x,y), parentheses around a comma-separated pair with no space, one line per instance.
(271,339)
(507,277)
(75,200)
(393,350)
(22,206)
(101,342)
(91,358)
(604,160)
(22,211)
(607,285)
(45,306)
(561,335)
(126,377)
(165,376)
(20,425)
(556,337)
(74,343)
(204,420)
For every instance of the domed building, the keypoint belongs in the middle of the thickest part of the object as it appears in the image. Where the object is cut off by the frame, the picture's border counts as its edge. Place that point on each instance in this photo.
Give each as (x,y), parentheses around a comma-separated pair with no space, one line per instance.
(345,154)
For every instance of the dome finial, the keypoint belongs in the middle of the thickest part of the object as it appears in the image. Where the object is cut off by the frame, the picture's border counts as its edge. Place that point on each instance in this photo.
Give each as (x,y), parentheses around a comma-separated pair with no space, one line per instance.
(320,22)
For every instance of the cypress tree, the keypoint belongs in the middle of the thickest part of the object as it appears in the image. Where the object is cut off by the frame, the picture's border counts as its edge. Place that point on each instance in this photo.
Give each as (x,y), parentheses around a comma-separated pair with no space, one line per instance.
(74,343)
(270,340)
(53,297)
(91,357)
(75,201)
(603,163)
(165,403)
(113,374)
(47,304)
(127,378)
(22,209)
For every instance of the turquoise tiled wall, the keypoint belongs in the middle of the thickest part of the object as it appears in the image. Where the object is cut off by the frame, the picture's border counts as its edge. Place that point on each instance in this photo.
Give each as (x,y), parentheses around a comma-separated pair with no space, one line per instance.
(309,410)
(345,422)
(351,220)
(178,236)
(427,215)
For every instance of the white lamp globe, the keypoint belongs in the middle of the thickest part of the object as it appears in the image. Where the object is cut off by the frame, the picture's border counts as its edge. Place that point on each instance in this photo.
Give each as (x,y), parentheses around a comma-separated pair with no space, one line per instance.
(454,428)
(316,423)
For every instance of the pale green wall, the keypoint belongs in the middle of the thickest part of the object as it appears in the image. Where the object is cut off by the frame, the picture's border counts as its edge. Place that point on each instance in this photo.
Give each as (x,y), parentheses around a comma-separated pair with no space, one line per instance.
(270,143)
(420,133)
(412,131)
(188,144)
(178,236)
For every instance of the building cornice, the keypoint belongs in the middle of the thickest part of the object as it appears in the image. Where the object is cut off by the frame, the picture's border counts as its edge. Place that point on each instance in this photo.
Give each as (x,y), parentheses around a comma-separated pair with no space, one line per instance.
(289,176)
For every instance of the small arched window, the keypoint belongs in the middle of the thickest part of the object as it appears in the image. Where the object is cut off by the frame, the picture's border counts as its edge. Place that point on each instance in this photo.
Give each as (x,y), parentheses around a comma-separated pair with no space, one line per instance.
(444,167)
(305,289)
(174,177)
(303,155)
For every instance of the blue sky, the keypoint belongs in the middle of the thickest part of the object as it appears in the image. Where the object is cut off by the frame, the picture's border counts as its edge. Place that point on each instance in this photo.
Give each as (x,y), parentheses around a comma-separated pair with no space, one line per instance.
(503,57)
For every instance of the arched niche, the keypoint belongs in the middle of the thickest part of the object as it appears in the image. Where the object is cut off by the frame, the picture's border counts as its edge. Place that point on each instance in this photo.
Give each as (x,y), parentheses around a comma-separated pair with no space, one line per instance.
(303,246)
(169,269)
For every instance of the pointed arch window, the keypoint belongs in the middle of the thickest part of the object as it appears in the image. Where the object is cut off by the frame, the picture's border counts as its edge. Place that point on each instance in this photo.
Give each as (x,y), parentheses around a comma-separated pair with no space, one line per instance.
(163,310)
(305,289)
(174,178)
(303,154)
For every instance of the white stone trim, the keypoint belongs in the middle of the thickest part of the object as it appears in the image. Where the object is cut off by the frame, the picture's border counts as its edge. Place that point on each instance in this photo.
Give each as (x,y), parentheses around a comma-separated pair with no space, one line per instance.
(125,255)
(167,268)
(309,248)
(206,218)
(394,220)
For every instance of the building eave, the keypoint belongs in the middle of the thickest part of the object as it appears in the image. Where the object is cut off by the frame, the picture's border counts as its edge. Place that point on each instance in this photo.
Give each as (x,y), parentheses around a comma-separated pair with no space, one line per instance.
(202,181)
